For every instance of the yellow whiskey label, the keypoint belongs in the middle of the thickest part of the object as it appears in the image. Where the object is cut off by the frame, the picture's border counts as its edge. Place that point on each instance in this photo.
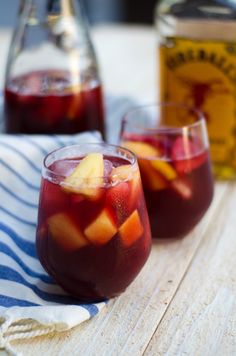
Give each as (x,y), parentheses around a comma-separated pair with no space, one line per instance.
(202,74)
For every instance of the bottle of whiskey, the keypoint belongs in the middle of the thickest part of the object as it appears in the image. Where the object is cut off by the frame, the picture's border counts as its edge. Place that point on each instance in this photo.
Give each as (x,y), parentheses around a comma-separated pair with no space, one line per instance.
(197,67)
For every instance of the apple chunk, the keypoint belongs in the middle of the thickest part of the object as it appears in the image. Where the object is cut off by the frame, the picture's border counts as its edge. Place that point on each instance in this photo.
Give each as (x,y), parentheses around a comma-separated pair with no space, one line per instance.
(65,232)
(102,229)
(87,177)
(131,230)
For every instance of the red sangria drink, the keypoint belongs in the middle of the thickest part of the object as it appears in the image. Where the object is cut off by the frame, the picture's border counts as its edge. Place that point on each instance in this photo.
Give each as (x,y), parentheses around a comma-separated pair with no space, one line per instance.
(175,167)
(53,102)
(93,234)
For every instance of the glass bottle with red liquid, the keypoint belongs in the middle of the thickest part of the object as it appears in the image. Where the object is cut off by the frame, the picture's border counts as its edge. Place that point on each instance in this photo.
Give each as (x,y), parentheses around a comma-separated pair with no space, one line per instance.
(52,81)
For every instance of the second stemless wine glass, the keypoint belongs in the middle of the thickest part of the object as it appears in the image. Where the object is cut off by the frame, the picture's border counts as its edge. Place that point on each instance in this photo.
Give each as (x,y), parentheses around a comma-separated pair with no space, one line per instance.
(174,162)
(93,234)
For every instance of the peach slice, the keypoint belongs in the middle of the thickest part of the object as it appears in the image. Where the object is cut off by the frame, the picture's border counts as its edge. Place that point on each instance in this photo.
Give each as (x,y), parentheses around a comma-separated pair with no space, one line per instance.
(141,149)
(131,230)
(164,168)
(87,177)
(102,229)
(65,232)
(151,178)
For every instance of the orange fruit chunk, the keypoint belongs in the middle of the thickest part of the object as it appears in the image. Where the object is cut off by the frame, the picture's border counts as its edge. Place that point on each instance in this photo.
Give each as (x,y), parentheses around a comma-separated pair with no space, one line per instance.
(102,229)
(131,230)
(65,232)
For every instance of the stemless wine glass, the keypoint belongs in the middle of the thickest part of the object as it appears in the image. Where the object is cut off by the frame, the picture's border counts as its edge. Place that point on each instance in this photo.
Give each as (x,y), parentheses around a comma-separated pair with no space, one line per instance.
(174,163)
(93,234)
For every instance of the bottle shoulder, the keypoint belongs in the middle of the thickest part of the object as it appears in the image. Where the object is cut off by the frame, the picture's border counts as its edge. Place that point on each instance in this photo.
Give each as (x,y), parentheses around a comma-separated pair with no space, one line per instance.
(199,19)
(198,9)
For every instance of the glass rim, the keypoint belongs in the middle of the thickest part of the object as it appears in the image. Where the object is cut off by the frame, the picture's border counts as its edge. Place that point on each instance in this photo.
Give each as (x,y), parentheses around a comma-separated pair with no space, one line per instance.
(200,115)
(53,176)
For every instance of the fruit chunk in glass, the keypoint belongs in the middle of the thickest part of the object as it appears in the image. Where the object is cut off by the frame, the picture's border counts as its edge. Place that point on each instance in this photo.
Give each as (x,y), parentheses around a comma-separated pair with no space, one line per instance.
(93,234)
(176,173)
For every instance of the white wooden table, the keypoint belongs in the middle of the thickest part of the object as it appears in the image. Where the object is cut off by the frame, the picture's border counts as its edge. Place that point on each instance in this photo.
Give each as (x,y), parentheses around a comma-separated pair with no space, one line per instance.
(184,300)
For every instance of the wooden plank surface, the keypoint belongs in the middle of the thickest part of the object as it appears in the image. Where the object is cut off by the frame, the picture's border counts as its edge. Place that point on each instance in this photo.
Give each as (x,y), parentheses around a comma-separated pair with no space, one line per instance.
(129,322)
(201,318)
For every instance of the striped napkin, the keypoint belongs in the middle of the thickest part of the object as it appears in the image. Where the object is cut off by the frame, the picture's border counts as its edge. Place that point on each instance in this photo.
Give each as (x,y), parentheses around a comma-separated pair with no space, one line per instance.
(29,298)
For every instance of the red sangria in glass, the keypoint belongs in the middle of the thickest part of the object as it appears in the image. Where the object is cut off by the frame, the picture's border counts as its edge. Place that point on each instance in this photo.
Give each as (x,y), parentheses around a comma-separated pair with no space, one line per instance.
(93,234)
(174,163)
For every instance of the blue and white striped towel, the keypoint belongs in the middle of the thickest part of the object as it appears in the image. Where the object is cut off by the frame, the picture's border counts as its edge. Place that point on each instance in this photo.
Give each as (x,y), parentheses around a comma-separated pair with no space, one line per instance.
(31,304)
(26,291)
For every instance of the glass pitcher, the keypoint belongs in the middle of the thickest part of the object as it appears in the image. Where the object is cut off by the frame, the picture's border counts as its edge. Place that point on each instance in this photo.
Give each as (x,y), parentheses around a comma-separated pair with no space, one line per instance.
(52,81)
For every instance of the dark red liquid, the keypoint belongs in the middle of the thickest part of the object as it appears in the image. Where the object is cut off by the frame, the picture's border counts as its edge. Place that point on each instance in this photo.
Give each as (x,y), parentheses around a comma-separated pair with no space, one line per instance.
(49,102)
(98,269)
(175,203)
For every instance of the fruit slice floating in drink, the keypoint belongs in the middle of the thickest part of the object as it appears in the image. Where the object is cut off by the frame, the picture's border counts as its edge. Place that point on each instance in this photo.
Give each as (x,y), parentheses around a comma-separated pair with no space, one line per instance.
(173,172)
(102,229)
(87,178)
(187,155)
(131,229)
(65,231)
(158,173)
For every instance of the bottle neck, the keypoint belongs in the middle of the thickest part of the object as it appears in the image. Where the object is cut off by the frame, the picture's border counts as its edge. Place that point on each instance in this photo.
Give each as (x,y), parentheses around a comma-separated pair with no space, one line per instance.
(60,7)
(46,10)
